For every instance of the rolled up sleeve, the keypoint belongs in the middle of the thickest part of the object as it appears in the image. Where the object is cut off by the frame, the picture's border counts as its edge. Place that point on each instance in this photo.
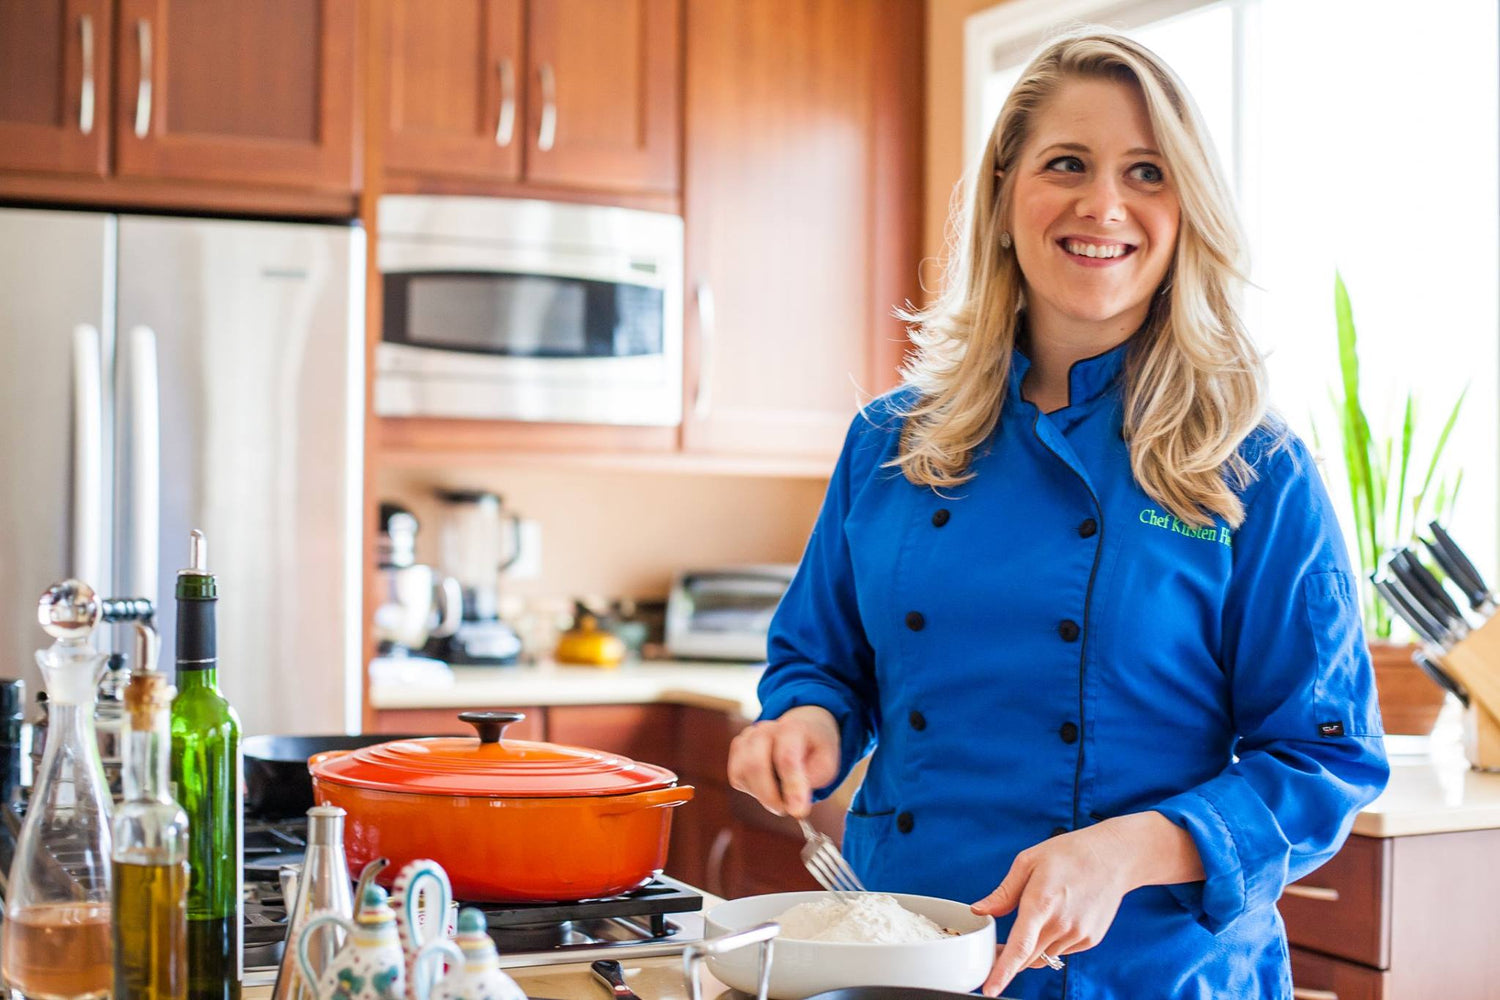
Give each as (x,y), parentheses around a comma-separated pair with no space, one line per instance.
(1309,754)
(817,649)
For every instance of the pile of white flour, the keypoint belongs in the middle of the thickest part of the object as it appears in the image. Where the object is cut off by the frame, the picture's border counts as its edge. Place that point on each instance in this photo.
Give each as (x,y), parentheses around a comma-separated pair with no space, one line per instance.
(869,917)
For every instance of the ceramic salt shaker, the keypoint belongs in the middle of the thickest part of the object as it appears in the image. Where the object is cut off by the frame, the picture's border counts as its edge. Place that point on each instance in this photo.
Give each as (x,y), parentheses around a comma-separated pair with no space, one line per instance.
(478,976)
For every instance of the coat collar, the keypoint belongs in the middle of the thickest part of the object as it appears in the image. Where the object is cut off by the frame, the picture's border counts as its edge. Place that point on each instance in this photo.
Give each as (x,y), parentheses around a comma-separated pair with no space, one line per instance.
(1088,378)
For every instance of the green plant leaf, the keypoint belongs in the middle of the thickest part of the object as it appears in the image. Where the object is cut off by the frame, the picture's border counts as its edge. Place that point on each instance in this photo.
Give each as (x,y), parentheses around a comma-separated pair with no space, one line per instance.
(1437,449)
(1408,423)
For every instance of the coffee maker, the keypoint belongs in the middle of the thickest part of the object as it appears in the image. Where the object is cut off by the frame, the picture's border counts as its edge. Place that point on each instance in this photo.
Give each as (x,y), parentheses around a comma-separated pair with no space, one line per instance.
(416,604)
(479,540)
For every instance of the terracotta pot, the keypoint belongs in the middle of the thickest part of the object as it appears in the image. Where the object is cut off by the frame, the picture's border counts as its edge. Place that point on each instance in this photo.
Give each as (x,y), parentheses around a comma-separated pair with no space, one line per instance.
(1409,700)
(510,820)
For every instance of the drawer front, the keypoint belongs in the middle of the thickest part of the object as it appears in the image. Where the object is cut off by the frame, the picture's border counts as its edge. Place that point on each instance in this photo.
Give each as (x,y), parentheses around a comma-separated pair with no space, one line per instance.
(1318,977)
(1343,908)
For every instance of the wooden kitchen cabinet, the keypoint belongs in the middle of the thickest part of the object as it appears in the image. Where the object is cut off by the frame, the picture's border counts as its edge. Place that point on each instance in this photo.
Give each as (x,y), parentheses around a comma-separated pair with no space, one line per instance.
(571,94)
(1398,918)
(241,106)
(445,722)
(236,91)
(802,197)
(453,87)
(55,85)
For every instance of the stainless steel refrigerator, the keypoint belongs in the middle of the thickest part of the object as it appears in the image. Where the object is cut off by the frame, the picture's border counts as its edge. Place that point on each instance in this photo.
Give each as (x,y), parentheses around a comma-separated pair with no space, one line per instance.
(163,374)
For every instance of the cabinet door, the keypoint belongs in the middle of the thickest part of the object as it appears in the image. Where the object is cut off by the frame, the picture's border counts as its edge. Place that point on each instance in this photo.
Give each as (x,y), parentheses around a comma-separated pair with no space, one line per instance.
(239,91)
(802,205)
(604,94)
(453,90)
(54,85)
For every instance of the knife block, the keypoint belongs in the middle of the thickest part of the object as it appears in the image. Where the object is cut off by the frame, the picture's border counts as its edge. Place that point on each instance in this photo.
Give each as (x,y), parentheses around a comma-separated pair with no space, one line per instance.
(1475,663)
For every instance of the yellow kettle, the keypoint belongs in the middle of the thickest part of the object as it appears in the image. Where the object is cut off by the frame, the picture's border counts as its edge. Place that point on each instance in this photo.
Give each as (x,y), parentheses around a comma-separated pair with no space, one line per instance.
(587,644)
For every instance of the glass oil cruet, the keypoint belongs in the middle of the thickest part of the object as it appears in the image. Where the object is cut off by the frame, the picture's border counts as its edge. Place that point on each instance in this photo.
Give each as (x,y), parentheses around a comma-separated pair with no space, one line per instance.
(57,912)
(150,843)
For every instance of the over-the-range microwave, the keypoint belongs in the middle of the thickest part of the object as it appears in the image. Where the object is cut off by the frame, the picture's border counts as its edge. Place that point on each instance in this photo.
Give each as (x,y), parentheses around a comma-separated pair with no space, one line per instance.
(514,309)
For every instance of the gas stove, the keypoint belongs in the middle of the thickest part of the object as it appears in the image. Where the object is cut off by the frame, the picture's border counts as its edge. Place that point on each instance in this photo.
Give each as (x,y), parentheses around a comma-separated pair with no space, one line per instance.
(660,918)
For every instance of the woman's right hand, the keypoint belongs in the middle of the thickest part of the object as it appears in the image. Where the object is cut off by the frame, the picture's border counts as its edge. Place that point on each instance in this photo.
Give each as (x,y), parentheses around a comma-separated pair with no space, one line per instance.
(780,761)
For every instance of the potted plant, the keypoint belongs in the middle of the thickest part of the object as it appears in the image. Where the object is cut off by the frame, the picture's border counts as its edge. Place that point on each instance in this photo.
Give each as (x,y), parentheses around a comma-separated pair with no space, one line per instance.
(1391,495)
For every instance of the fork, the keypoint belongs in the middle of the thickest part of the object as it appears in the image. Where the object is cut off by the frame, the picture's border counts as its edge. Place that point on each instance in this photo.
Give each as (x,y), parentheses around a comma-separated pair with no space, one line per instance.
(831,869)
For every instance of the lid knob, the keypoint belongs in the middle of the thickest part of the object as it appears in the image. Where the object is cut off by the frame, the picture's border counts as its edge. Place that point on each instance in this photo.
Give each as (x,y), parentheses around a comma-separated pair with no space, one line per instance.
(490,725)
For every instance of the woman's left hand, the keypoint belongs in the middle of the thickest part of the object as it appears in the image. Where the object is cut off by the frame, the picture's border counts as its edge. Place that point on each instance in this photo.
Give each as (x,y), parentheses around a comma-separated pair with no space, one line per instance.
(1068,888)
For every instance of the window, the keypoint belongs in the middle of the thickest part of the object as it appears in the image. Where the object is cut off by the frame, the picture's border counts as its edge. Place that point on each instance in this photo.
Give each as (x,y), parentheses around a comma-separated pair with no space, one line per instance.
(1351,143)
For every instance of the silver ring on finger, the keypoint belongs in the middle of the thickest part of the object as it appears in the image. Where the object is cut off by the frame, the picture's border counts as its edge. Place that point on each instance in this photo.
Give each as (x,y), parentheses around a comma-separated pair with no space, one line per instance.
(1053,962)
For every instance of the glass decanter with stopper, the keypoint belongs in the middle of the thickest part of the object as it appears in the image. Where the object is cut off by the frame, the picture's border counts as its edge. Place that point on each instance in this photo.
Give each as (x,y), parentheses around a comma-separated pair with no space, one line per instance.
(57,910)
(150,843)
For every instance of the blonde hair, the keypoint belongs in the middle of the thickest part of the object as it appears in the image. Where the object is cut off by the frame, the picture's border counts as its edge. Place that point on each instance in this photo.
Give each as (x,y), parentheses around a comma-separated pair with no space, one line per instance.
(1194,385)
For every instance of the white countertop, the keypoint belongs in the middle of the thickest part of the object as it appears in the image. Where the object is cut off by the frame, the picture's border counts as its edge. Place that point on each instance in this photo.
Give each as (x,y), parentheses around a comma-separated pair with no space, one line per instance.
(727,687)
(1431,791)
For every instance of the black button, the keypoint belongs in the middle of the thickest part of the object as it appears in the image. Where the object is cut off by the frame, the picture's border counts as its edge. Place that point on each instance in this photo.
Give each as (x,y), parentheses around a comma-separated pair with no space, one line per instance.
(915,621)
(905,822)
(1068,629)
(939,518)
(1068,732)
(1058,831)
(918,721)
(1087,528)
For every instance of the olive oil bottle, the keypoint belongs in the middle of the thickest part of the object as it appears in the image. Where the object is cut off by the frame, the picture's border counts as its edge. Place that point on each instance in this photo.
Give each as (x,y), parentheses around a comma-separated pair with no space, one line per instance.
(206,771)
(150,867)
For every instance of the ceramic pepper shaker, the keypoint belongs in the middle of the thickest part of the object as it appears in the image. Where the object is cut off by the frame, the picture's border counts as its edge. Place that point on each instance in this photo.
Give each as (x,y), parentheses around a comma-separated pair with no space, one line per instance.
(372,964)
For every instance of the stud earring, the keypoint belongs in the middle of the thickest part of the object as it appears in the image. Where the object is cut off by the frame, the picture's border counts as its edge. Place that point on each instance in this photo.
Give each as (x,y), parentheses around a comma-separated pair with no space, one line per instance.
(1004,240)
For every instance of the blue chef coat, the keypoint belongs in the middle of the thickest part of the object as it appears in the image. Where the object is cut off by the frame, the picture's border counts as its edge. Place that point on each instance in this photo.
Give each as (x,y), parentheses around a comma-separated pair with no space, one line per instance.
(1045,646)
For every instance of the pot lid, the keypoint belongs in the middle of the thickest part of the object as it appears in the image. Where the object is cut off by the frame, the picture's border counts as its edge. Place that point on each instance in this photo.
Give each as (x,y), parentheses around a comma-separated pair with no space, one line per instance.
(489,766)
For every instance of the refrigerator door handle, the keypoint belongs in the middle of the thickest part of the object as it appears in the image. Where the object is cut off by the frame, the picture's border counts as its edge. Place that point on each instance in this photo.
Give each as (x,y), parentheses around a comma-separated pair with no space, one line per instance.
(86,558)
(140,477)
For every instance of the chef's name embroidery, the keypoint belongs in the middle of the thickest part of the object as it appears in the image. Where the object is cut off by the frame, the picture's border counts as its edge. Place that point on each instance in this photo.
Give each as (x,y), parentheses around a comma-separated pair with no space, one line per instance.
(1211,533)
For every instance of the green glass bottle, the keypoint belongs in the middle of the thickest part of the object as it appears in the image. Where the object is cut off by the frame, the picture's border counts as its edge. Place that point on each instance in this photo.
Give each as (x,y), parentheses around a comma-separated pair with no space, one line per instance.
(206,772)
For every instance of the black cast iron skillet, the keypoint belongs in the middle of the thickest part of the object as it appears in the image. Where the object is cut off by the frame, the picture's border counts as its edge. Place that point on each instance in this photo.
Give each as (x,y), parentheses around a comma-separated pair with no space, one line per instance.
(277,782)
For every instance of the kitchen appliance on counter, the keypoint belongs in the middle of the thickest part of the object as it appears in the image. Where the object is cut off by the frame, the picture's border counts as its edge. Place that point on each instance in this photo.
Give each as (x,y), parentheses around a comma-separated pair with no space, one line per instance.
(512,309)
(415,604)
(161,374)
(479,540)
(725,614)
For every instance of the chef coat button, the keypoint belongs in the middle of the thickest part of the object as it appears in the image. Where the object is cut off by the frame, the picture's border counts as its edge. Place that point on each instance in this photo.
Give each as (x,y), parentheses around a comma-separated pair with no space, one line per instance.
(918,721)
(905,822)
(1087,528)
(915,621)
(1068,629)
(1058,831)
(1069,732)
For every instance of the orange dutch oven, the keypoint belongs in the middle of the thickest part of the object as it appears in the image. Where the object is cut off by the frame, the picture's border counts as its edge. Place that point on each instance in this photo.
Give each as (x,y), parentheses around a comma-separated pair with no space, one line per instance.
(509,820)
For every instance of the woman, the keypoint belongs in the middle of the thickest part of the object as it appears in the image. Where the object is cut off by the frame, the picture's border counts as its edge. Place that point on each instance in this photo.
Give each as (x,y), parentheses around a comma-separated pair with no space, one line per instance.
(1087,602)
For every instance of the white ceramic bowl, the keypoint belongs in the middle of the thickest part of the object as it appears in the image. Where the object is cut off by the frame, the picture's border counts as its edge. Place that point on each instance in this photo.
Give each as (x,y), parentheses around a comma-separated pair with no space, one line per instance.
(801,968)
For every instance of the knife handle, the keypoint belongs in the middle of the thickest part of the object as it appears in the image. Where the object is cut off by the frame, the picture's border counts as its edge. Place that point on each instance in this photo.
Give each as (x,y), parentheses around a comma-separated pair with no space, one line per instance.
(1440,677)
(1458,566)
(609,972)
(1396,596)
(1427,588)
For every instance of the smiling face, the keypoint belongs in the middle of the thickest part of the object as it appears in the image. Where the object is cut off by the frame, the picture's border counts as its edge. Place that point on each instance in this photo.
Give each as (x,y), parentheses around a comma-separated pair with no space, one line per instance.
(1094,214)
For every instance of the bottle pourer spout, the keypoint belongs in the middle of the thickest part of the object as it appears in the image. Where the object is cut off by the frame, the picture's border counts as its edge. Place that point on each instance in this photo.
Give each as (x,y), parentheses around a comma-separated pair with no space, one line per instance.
(146,644)
(197,552)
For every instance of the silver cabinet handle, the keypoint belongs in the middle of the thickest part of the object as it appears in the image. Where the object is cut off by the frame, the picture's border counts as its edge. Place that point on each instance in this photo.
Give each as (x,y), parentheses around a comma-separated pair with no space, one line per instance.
(139,478)
(1299,993)
(703,392)
(86,92)
(505,128)
(143,86)
(546,130)
(1312,892)
(88,457)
